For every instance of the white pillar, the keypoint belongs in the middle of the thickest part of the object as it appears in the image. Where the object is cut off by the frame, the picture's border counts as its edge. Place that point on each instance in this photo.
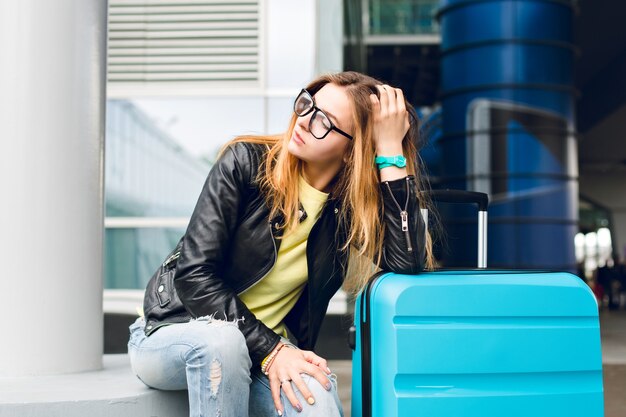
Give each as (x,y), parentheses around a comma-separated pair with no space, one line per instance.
(52,103)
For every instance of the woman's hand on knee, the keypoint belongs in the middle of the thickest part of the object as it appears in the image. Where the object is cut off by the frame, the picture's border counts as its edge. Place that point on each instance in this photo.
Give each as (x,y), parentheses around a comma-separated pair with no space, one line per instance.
(316,360)
(287,367)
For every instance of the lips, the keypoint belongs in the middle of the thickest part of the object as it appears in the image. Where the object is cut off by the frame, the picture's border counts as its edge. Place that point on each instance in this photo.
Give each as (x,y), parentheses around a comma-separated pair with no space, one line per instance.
(298,138)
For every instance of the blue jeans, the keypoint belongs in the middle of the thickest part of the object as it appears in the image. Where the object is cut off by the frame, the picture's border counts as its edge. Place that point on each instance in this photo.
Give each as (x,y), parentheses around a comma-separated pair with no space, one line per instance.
(209,358)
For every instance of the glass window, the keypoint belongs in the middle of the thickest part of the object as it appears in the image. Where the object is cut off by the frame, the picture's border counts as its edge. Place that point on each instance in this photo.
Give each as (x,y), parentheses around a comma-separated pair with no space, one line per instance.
(402,17)
(151,186)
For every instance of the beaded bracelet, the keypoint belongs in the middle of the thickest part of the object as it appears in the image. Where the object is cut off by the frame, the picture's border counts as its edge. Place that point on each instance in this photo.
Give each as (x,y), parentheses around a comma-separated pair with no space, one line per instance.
(270,358)
(266,359)
(288,343)
(267,367)
(269,364)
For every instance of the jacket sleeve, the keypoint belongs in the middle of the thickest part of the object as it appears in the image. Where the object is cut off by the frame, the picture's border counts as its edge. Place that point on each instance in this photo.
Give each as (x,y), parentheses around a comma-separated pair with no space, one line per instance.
(404,239)
(198,279)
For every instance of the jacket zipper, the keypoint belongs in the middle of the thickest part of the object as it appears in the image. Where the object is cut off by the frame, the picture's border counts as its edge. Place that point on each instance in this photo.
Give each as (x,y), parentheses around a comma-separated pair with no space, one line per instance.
(171,258)
(404,214)
(270,268)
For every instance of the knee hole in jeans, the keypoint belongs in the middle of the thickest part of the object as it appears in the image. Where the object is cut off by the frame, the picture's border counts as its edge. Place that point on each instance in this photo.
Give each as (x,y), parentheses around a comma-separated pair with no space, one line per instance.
(222,338)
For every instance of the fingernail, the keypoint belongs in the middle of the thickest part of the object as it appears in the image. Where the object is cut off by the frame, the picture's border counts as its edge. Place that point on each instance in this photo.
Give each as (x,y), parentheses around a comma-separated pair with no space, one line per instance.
(328,386)
(311,400)
(280,413)
(328,369)
(299,407)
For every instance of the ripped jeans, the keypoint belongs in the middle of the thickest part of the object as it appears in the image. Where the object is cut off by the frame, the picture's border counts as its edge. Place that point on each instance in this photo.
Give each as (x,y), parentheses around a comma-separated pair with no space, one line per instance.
(209,357)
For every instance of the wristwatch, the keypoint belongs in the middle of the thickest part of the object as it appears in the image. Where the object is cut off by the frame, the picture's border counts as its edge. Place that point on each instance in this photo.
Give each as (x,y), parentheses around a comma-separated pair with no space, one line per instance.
(387,161)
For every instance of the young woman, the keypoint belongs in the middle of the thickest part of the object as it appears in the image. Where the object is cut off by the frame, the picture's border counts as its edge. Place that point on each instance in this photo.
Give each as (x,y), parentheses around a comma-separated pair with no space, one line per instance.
(278,221)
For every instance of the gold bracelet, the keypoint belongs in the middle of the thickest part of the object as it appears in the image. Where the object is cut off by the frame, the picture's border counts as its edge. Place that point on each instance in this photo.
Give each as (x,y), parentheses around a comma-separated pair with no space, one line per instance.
(269,363)
(266,359)
(269,358)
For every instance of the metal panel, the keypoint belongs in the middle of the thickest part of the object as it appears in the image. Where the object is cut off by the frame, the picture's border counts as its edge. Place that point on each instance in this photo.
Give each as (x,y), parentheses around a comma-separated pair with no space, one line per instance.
(155,44)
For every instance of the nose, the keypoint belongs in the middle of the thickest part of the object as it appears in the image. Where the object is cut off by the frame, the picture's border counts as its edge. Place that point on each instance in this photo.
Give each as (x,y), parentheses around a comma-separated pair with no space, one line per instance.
(303,121)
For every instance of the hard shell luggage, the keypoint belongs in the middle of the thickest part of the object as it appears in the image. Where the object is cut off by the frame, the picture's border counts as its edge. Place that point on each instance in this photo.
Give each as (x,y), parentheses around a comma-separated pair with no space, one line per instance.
(476,342)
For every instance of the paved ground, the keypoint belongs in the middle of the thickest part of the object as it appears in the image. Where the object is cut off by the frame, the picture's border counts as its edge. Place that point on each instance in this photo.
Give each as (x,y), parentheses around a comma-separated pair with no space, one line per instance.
(613,334)
(115,391)
(613,331)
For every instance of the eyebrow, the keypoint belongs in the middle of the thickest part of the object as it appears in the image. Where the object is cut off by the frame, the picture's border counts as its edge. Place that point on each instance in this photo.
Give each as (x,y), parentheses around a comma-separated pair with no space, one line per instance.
(330,114)
(326,111)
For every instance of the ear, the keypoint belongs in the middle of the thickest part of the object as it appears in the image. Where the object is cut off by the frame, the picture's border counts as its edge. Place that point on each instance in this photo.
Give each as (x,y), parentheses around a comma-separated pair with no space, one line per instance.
(346,154)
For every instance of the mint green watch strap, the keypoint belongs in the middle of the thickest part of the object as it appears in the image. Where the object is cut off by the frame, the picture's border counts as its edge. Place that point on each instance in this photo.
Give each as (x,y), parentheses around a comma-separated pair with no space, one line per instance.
(385,161)
(385,165)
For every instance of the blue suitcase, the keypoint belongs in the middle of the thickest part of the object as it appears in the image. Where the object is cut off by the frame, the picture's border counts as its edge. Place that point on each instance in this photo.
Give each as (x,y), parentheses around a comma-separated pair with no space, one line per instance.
(476,342)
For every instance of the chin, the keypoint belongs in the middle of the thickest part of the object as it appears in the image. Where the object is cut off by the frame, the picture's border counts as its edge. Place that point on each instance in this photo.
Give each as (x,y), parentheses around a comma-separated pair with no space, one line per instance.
(293,149)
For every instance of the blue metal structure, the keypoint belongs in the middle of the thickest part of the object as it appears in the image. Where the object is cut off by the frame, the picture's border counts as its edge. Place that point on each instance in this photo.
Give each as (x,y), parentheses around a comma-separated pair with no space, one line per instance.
(508,129)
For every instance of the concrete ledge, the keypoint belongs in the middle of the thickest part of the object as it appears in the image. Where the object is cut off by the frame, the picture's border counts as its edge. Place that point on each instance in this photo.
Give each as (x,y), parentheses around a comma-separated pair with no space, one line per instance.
(112,391)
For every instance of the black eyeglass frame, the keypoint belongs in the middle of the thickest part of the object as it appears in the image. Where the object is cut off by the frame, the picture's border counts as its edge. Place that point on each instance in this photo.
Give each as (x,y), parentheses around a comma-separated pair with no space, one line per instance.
(316,109)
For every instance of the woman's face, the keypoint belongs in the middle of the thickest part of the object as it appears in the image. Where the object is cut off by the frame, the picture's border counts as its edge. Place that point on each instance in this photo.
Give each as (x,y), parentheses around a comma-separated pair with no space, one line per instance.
(333,100)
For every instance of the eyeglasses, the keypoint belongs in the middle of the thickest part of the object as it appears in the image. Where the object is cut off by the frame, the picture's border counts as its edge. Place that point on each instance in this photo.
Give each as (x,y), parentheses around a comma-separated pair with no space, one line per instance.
(319,124)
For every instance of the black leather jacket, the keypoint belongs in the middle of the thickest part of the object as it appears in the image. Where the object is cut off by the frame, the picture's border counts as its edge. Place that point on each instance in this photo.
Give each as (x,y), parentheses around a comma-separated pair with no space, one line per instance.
(230,244)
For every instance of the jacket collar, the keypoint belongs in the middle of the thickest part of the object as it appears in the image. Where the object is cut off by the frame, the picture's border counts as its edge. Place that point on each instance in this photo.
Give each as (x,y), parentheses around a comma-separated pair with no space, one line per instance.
(333,203)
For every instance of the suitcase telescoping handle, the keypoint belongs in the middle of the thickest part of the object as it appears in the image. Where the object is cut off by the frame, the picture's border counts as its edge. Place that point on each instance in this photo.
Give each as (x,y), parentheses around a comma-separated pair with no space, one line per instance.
(466,197)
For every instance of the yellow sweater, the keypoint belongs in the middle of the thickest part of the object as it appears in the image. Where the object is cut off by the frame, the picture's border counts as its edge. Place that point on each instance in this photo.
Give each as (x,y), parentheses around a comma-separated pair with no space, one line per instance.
(273,297)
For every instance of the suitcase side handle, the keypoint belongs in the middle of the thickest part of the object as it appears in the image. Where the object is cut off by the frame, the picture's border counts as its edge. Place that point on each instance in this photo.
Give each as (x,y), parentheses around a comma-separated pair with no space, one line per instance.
(465,197)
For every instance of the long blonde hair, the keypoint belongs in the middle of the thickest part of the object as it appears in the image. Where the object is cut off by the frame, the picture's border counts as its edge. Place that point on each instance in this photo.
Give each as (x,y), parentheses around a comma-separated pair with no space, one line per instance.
(357,183)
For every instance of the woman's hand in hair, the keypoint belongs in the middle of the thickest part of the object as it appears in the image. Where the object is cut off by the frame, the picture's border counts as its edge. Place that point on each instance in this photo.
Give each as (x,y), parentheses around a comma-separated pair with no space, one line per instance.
(391,120)
(289,364)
